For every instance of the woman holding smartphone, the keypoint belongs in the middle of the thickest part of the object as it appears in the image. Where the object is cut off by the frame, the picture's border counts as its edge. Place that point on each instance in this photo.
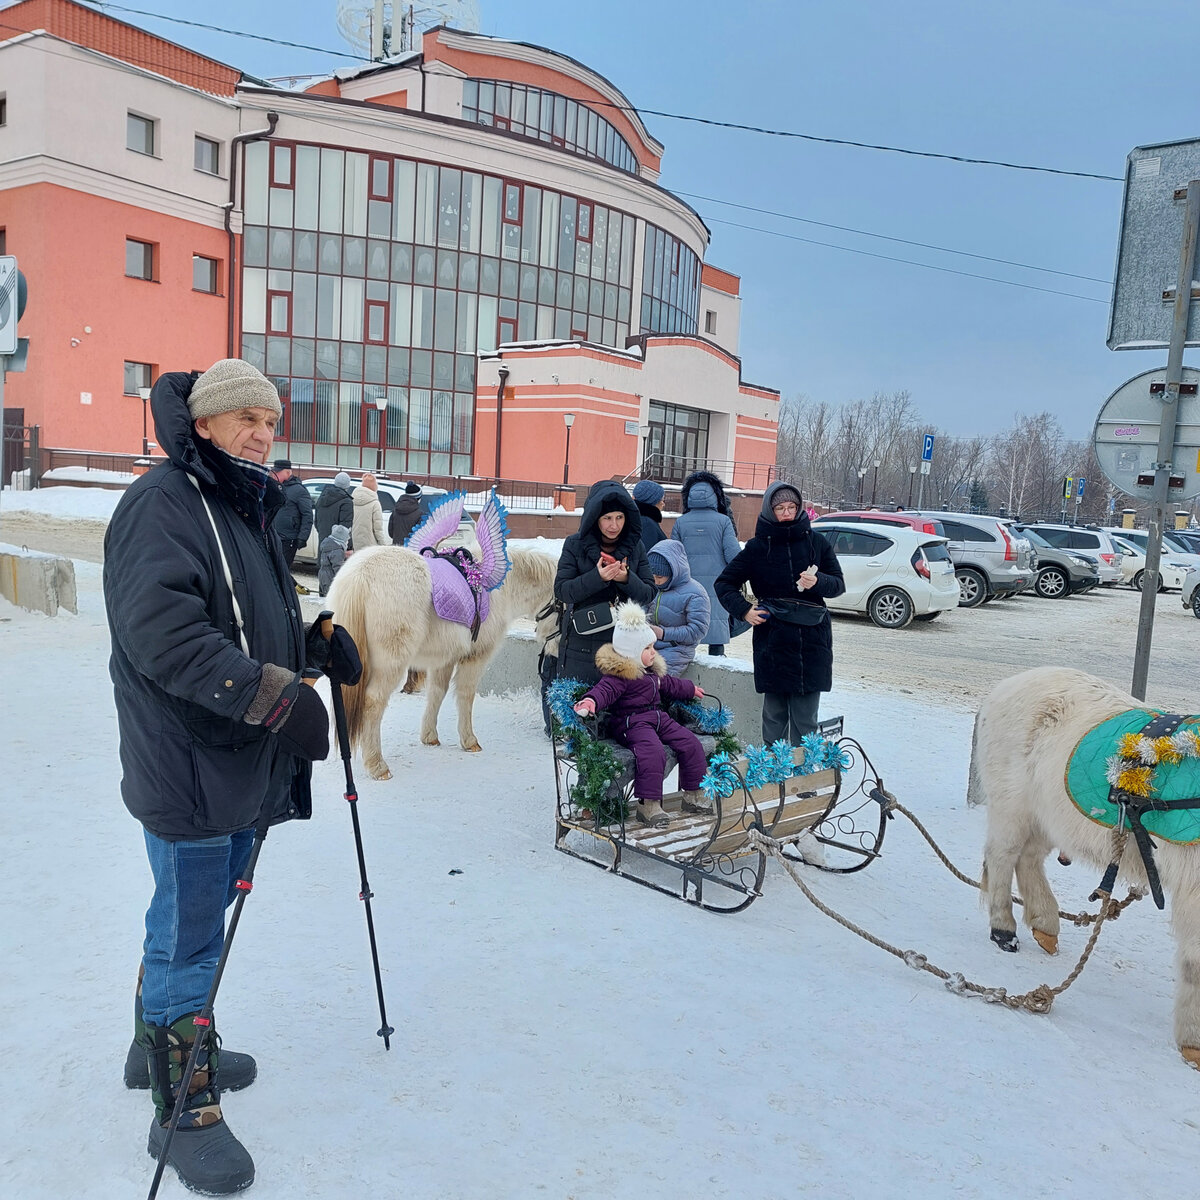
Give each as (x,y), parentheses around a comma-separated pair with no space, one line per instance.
(604,563)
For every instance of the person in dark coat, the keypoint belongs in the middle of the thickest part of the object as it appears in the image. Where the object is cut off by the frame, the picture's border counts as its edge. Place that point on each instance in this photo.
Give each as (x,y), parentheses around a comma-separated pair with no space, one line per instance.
(706,531)
(293,521)
(791,570)
(217,730)
(633,688)
(331,557)
(611,526)
(406,516)
(679,614)
(335,506)
(648,495)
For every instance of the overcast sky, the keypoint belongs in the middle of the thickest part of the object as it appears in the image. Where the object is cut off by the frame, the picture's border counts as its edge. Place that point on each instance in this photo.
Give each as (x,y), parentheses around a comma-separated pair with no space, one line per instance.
(1073,85)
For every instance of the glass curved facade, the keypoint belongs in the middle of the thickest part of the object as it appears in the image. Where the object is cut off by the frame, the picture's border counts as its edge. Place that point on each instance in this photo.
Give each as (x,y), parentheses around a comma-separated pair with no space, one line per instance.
(670,285)
(370,278)
(548,117)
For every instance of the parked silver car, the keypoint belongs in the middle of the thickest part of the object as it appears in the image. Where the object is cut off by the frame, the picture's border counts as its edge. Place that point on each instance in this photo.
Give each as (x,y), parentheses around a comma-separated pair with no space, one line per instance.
(1089,539)
(990,558)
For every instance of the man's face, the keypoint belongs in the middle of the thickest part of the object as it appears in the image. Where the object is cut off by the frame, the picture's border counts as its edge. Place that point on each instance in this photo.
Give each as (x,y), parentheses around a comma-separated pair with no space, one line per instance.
(611,525)
(245,432)
(282,475)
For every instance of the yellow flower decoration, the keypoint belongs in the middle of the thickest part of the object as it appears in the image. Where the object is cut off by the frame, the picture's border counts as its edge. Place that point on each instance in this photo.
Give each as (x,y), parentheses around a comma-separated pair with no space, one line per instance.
(1137,781)
(1127,747)
(1165,751)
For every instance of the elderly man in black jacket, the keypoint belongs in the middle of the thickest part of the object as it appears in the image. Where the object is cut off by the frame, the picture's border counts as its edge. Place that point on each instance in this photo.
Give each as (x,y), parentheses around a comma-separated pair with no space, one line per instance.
(792,570)
(217,728)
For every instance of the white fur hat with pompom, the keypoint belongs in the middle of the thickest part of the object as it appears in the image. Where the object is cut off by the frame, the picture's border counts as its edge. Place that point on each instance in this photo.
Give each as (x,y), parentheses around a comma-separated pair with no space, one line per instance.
(631,634)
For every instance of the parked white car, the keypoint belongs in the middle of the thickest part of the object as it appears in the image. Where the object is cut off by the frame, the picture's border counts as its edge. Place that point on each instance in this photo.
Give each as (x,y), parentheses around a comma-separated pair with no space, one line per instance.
(389,493)
(1174,564)
(1191,591)
(893,573)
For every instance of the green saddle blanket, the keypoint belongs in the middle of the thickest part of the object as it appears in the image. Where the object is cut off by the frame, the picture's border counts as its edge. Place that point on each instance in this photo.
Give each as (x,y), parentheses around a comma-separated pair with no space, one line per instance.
(1088,784)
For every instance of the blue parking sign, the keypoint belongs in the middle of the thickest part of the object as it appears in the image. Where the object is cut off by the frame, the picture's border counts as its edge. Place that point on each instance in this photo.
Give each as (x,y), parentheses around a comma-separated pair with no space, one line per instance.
(927,449)
(1079,489)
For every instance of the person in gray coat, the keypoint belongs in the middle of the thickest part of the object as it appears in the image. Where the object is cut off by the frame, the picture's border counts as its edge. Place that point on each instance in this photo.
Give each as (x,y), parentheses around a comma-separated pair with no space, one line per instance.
(331,557)
(710,540)
(679,613)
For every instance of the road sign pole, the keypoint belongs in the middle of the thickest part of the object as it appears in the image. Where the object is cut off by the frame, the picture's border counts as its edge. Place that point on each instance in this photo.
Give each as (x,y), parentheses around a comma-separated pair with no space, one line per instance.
(1166,440)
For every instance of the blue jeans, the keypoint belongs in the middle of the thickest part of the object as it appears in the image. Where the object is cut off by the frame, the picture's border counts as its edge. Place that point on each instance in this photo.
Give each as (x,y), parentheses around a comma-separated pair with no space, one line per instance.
(185,923)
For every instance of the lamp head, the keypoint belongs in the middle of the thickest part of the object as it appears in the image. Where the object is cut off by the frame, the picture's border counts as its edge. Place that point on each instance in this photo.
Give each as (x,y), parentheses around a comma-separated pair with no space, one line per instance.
(144,393)
(381,402)
(568,419)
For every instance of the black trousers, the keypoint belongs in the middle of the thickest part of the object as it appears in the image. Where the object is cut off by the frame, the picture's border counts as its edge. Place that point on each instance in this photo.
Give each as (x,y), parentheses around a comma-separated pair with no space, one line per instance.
(783,709)
(289,550)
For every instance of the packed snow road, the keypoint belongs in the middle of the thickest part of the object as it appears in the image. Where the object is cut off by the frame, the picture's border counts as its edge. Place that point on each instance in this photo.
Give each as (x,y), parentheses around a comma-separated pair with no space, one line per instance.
(954,659)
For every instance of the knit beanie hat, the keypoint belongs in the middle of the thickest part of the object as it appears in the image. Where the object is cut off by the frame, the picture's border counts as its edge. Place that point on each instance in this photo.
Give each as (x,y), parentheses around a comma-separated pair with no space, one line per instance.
(341,534)
(412,489)
(779,494)
(648,492)
(659,565)
(342,480)
(229,385)
(631,634)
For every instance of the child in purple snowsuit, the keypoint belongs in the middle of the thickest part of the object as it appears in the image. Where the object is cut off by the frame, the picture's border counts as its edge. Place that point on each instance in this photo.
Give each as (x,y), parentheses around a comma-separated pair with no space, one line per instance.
(633,688)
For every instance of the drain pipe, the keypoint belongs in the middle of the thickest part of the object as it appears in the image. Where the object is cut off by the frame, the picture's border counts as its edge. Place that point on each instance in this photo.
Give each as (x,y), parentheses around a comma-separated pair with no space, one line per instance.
(240,140)
(503,373)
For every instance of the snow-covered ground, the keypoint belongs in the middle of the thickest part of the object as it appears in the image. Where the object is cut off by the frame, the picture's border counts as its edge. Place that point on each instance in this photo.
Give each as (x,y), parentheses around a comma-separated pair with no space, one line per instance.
(561,1032)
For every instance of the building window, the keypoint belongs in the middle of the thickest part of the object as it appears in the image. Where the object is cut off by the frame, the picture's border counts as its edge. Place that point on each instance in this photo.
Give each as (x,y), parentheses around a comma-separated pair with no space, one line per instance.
(137,375)
(208,155)
(678,441)
(3,240)
(140,134)
(710,321)
(205,273)
(3,109)
(139,259)
(670,285)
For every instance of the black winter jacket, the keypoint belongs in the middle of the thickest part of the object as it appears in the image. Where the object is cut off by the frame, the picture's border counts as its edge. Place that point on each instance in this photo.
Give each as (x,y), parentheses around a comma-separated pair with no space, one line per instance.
(578,582)
(335,506)
(652,530)
(191,767)
(406,516)
(294,519)
(787,657)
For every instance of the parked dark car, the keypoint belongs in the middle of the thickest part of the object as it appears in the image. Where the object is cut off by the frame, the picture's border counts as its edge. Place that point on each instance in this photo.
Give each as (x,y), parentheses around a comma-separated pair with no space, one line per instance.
(1060,573)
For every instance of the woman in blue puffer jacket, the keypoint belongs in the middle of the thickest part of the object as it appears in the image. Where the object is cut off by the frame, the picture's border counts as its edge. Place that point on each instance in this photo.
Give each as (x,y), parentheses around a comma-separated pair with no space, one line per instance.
(679,613)
(708,536)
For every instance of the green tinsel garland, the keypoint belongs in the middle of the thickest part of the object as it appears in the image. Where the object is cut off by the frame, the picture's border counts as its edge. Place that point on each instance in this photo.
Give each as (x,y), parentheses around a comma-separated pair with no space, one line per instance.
(595,770)
(727,743)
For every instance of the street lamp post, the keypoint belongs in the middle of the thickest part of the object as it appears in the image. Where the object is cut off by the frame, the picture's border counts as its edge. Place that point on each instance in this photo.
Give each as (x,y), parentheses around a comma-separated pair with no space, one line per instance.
(862,473)
(381,403)
(145,395)
(568,421)
(912,474)
(875,483)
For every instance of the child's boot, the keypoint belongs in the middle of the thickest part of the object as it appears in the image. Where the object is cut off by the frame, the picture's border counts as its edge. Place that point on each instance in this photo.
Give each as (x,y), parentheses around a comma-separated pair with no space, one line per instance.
(695,801)
(650,812)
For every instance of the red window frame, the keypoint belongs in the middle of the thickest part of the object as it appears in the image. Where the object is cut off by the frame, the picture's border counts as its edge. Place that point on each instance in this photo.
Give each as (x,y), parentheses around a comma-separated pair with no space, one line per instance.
(584,204)
(384,306)
(372,194)
(272,329)
(278,157)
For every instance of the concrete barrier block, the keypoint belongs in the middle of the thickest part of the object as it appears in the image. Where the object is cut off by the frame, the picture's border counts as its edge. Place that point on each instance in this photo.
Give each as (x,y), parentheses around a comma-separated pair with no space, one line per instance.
(37,582)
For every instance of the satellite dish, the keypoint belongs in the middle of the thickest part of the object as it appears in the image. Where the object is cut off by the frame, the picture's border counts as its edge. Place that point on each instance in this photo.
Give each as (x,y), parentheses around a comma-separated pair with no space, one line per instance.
(1126,435)
(401,21)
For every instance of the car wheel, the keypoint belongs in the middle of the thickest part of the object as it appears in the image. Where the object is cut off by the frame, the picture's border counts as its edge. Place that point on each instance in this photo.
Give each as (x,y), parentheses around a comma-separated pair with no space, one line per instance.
(972,588)
(1196,603)
(928,616)
(890,608)
(1140,578)
(1052,584)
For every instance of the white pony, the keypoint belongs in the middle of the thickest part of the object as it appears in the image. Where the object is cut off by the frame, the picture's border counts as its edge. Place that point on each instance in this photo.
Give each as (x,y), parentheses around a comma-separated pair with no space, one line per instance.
(383,598)
(1025,733)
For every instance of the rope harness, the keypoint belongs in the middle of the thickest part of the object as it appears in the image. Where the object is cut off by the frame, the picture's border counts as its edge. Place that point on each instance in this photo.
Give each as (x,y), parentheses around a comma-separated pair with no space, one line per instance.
(1041,998)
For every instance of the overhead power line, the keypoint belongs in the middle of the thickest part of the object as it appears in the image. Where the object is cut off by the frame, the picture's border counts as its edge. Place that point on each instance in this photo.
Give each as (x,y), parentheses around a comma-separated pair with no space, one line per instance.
(792,237)
(669,116)
(1007,262)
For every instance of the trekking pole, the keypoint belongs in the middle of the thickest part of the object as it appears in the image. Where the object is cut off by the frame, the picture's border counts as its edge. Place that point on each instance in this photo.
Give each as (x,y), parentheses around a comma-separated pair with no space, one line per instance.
(384,1031)
(203,1022)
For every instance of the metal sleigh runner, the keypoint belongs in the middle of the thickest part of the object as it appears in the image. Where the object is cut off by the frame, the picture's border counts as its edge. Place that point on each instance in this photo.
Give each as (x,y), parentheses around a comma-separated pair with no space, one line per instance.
(821,803)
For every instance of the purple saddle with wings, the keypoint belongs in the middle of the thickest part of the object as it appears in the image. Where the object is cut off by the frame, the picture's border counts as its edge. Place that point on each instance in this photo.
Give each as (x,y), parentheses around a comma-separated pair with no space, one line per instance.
(454,598)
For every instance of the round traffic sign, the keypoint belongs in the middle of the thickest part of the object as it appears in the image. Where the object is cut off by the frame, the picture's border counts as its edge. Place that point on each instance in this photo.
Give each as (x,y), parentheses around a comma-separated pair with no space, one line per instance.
(1126,435)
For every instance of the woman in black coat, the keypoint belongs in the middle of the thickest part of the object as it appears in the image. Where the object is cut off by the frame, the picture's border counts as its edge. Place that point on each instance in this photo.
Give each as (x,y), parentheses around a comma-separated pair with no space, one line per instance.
(610,524)
(791,570)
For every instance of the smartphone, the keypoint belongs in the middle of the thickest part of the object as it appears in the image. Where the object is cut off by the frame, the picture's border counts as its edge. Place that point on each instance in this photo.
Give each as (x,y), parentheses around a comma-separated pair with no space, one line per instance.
(606,558)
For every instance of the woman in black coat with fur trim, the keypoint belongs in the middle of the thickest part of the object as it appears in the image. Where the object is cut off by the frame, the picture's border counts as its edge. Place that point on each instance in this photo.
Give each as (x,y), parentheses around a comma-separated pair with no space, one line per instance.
(792,570)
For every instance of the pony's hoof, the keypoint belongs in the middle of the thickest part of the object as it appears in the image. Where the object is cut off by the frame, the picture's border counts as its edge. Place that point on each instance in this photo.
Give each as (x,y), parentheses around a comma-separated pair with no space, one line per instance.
(1047,941)
(1191,1056)
(473,749)
(380,773)
(1006,940)
(431,741)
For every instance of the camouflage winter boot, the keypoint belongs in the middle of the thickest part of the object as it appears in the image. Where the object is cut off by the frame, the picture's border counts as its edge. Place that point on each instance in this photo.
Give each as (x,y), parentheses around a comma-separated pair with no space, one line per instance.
(204,1152)
(237,1070)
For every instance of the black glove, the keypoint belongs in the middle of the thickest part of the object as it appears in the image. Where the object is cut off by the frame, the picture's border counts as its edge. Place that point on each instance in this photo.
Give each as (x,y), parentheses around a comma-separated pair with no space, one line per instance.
(336,656)
(292,711)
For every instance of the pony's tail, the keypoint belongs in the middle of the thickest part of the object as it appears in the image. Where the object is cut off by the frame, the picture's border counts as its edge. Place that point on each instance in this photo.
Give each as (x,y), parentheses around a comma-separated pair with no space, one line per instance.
(976,796)
(347,598)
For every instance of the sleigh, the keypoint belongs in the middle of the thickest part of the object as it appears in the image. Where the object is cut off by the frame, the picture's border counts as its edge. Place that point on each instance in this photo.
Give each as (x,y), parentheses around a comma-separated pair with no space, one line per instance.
(832,819)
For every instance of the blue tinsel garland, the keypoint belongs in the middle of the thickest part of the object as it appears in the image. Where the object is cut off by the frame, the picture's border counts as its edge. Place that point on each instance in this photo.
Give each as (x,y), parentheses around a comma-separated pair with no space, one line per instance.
(705,718)
(561,697)
(721,778)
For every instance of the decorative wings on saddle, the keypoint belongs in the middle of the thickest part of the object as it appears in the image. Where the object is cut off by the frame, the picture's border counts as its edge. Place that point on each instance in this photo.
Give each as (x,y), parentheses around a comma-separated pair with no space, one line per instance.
(461,582)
